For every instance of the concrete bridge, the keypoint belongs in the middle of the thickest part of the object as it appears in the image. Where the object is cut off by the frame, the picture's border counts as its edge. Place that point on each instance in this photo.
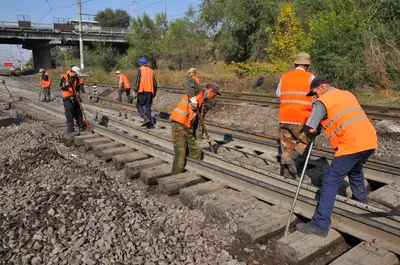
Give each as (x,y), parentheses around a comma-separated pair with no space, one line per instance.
(41,37)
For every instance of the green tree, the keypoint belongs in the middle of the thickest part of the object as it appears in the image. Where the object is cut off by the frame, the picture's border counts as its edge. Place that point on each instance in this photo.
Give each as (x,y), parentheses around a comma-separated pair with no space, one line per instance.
(285,38)
(110,18)
(238,27)
(146,33)
(102,55)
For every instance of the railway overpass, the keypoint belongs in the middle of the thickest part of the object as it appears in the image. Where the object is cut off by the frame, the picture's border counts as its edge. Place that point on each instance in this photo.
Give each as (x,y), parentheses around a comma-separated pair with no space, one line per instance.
(41,37)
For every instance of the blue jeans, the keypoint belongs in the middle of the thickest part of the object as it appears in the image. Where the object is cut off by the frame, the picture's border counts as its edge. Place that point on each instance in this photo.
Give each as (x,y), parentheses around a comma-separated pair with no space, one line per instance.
(342,166)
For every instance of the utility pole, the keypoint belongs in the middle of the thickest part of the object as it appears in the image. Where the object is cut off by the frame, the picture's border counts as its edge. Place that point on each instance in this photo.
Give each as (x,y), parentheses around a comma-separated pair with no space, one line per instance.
(20,58)
(165,9)
(80,33)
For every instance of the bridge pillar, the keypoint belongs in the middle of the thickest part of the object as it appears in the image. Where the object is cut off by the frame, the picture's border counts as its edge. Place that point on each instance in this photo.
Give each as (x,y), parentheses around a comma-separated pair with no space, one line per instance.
(41,57)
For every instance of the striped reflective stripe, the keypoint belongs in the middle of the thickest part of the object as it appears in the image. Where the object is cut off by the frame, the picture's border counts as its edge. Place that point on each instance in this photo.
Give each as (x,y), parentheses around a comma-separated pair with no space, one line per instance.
(297,101)
(345,123)
(182,112)
(184,102)
(294,93)
(340,114)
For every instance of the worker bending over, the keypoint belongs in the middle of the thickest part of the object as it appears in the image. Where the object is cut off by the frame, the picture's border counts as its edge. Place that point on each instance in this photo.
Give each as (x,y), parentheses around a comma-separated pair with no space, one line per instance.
(353,137)
(123,86)
(146,89)
(45,83)
(69,85)
(295,108)
(184,120)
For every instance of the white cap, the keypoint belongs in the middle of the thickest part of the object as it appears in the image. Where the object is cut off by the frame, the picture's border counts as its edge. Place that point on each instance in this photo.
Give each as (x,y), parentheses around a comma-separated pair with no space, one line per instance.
(76,70)
(41,70)
(117,72)
(192,70)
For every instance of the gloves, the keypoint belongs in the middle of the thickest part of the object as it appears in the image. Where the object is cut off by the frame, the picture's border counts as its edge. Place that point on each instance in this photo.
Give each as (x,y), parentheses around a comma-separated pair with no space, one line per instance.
(193,103)
(64,88)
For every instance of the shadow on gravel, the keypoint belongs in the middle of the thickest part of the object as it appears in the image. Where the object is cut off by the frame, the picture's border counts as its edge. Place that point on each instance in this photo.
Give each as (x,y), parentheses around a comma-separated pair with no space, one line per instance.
(10,121)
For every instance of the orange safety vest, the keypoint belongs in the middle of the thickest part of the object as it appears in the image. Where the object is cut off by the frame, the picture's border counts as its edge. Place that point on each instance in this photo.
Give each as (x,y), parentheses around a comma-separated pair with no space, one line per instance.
(183,113)
(146,80)
(347,126)
(70,91)
(295,105)
(45,83)
(196,79)
(123,82)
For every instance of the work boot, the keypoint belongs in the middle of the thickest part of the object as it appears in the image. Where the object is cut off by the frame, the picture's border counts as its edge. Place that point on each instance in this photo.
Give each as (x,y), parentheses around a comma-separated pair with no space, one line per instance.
(291,163)
(146,122)
(309,228)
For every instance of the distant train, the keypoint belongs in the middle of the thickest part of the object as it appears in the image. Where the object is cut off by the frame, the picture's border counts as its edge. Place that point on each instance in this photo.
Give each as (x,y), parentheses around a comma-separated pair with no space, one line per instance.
(86,25)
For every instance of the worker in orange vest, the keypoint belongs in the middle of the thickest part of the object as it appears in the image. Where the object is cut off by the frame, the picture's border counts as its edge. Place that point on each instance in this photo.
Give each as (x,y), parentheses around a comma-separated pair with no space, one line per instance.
(193,74)
(146,89)
(184,119)
(123,86)
(81,81)
(69,85)
(45,83)
(295,108)
(353,137)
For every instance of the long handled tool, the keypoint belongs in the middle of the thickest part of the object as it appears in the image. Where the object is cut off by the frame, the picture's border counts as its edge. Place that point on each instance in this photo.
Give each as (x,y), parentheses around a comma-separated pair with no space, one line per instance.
(11,96)
(298,187)
(83,112)
(205,131)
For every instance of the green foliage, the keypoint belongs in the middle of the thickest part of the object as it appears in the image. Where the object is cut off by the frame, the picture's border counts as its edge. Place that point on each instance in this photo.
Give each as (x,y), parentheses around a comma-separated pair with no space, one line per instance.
(285,38)
(346,43)
(110,18)
(146,34)
(238,26)
(103,55)
(242,70)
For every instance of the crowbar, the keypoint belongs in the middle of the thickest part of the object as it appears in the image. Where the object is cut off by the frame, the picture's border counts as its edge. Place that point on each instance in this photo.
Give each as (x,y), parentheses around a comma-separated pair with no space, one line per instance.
(205,131)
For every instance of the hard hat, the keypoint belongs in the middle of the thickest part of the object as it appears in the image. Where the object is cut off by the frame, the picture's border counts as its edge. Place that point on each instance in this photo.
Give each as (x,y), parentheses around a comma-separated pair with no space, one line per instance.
(76,70)
(143,60)
(41,70)
(192,70)
(302,58)
(118,72)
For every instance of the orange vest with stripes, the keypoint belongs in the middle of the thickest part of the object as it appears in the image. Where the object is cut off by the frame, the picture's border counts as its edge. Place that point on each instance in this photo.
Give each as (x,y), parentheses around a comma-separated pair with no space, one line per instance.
(347,126)
(123,82)
(146,80)
(70,92)
(183,113)
(295,105)
(45,83)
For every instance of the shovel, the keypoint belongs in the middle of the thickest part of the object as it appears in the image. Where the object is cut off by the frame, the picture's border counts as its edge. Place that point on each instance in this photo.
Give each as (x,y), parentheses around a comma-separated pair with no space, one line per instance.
(11,96)
(205,131)
(298,187)
(83,112)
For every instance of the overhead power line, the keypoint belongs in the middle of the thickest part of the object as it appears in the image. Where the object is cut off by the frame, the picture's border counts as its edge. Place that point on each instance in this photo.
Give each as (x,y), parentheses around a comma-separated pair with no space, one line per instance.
(148,5)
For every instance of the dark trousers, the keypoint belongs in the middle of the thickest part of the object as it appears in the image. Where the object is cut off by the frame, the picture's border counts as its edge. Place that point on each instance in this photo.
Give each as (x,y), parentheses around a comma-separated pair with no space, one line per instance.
(342,166)
(72,111)
(143,105)
(128,94)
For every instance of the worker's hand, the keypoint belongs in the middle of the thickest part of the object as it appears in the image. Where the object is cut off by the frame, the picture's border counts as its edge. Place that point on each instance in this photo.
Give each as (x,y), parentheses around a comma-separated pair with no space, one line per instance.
(312,130)
(64,88)
(193,103)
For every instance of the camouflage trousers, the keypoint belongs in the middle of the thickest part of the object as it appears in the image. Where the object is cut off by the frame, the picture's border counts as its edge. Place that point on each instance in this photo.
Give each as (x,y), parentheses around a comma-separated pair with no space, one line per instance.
(292,139)
(184,141)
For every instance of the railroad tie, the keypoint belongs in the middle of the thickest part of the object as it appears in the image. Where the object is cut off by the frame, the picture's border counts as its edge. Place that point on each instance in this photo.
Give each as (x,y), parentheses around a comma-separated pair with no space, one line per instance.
(119,161)
(173,184)
(132,169)
(367,253)
(151,175)
(298,248)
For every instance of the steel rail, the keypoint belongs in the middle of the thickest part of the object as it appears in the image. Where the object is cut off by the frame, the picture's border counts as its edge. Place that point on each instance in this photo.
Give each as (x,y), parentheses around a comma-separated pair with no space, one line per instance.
(376,170)
(349,217)
(373,111)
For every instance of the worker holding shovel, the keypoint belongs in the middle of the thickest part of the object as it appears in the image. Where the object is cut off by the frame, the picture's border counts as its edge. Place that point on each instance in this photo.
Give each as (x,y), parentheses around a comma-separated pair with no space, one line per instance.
(70,92)
(184,121)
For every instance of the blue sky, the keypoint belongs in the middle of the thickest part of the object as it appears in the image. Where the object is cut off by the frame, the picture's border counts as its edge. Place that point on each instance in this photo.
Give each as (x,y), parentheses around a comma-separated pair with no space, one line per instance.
(37,10)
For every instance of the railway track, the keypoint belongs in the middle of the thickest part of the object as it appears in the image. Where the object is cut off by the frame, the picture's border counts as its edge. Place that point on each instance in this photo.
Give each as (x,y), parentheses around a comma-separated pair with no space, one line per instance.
(375,112)
(349,216)
(366,222)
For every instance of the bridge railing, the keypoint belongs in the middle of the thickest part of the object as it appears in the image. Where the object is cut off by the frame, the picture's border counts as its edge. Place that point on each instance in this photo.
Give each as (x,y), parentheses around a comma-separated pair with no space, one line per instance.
(16,24)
